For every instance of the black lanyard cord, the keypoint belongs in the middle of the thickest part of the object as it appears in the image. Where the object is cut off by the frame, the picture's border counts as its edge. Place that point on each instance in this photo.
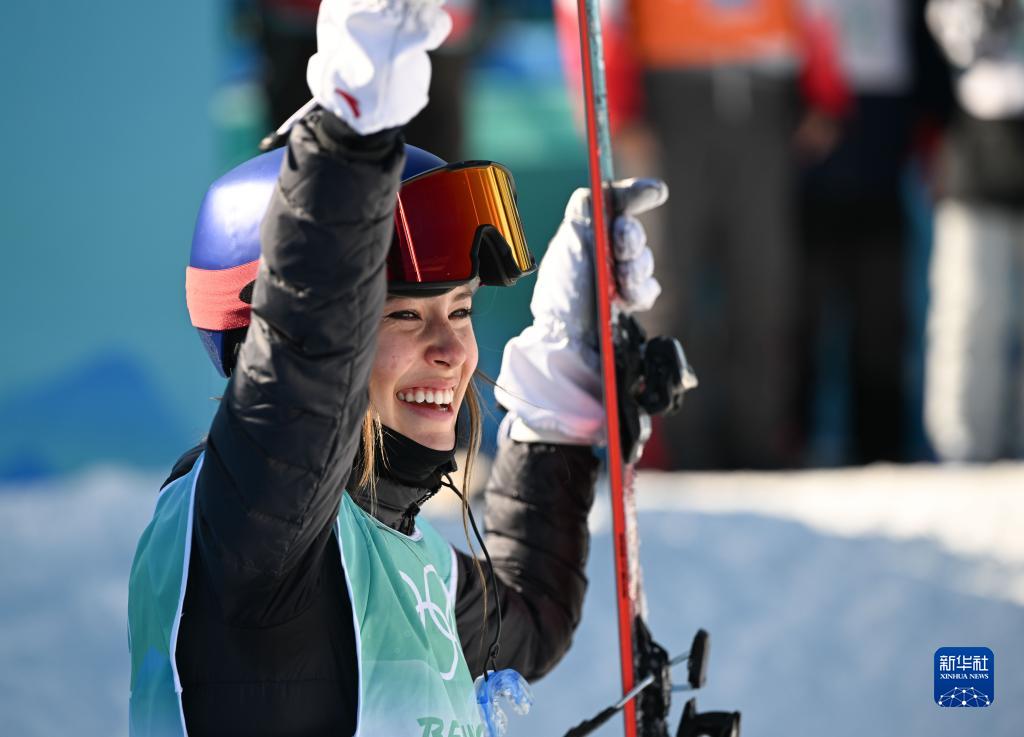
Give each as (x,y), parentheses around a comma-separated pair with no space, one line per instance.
(492,653)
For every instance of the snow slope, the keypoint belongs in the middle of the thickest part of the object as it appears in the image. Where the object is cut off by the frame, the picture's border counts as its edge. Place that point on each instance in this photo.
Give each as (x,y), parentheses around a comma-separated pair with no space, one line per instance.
(825,593)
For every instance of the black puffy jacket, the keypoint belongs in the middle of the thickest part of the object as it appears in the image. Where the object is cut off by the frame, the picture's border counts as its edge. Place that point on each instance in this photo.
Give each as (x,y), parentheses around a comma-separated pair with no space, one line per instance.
(266,644)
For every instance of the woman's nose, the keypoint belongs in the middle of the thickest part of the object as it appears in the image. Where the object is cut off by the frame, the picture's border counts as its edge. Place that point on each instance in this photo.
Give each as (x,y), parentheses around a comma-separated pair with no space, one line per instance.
(445,347)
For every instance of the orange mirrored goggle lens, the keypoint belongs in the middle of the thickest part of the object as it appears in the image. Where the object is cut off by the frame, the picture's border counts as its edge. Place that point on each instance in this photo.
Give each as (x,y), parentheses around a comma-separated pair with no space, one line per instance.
(455,223)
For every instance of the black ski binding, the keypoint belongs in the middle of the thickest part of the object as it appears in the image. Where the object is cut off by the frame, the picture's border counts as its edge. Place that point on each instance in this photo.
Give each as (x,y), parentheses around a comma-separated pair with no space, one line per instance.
(697,667)
(653,692)
(708,724)
(651,374)
(652,704)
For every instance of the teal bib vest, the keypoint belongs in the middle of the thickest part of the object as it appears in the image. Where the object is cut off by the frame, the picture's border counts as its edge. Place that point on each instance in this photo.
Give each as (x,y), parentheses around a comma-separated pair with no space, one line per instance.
(413,678)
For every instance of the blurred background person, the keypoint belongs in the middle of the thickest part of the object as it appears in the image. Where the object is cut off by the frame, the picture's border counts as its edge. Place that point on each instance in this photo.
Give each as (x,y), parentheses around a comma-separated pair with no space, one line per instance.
(719,86)
(855,230)
(974,390)
(286,32)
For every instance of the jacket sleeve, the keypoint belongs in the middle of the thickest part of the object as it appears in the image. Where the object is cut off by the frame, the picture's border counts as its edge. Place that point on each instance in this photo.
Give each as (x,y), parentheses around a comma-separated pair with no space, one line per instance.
(283,439)
(538,497)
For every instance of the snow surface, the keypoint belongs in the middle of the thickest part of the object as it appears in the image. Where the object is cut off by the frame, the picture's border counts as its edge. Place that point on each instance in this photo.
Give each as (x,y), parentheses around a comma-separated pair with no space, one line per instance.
(826,595)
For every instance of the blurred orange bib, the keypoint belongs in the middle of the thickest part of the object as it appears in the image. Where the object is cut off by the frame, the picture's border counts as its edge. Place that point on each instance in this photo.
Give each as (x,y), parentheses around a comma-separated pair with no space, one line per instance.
(696,33)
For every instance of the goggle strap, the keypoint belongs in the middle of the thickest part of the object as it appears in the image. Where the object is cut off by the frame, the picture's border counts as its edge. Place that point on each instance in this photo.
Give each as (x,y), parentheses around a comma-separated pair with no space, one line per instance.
(215,296)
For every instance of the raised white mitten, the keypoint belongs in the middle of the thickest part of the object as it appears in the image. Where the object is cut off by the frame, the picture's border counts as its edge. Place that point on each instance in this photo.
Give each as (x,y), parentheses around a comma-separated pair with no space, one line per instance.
(550,379)
(371,67)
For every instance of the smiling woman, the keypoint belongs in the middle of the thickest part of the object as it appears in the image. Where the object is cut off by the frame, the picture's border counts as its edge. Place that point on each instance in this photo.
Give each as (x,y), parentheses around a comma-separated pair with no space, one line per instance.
(426,357)
(286,584)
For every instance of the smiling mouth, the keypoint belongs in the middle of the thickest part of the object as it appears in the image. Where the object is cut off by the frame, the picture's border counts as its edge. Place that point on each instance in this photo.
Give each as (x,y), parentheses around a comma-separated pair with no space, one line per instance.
(432,399)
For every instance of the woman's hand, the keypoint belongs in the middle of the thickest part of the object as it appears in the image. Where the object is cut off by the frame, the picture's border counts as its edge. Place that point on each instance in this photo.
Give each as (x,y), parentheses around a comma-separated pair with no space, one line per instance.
(550,378)
(371,68)
(563,299)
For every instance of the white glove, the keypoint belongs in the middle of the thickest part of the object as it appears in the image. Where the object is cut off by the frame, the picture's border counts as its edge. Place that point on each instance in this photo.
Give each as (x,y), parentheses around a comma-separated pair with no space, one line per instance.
(371,68)
(550,378)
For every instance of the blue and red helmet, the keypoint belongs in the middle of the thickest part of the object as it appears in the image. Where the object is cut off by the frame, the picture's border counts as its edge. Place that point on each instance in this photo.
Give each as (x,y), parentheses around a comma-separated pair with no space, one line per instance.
(453,223)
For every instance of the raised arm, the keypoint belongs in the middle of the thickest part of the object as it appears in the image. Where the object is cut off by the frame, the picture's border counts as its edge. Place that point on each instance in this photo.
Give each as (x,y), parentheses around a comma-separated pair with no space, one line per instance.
(283,439)
(287,428)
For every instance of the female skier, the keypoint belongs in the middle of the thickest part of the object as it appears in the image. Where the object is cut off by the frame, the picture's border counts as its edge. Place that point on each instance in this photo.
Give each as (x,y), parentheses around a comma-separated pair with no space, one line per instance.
(285,585)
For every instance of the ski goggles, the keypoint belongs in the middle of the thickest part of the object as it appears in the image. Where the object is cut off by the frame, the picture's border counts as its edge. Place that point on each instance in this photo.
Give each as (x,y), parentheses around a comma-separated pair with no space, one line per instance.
(454,224)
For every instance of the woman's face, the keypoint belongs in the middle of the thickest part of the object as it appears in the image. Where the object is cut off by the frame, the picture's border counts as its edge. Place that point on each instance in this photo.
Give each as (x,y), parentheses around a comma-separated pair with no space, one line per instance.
(426,355)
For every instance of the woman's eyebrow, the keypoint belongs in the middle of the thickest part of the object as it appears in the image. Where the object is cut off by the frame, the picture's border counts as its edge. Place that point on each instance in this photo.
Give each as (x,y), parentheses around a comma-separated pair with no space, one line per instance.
(463,294)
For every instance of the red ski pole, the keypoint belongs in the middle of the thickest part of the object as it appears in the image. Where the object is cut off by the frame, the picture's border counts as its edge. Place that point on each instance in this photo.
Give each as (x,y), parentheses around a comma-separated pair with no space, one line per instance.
(595,105)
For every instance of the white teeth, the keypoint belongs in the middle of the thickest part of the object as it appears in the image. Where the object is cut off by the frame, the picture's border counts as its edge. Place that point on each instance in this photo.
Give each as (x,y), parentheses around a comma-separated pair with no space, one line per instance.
(431,396)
